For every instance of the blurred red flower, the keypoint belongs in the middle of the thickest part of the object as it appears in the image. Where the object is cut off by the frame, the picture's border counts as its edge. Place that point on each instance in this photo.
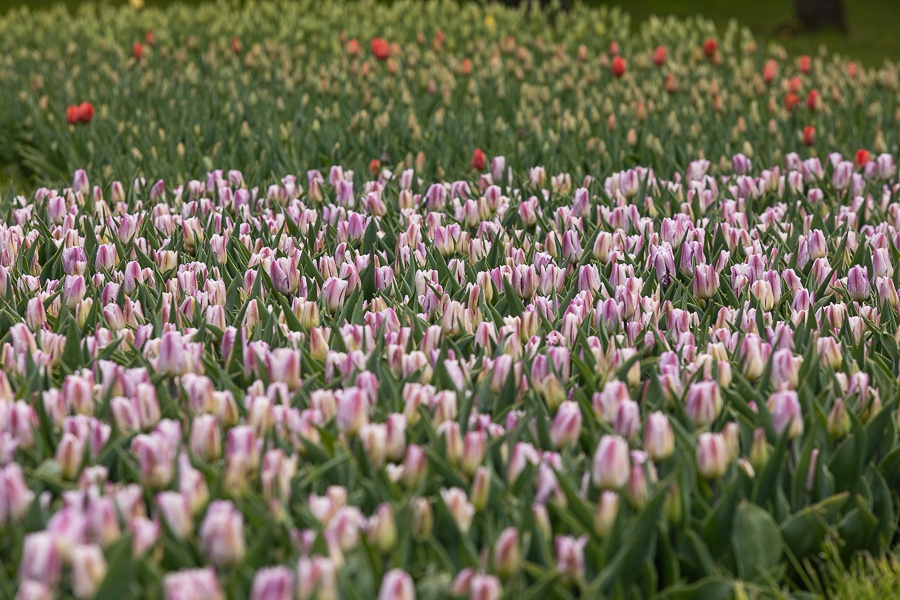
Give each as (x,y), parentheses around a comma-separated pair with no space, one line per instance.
(618,66)
(137,50)
(374,167)
(85,112)
(862,157)
(812,99)
(805,63)
(809,135)
(353,47)
(478,160)
(659,55)
(709,47)
(791,100)
(72,115)
(381,49)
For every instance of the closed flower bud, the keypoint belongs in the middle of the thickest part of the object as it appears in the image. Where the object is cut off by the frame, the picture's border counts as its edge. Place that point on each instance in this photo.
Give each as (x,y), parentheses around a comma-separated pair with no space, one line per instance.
(570,556)
(838,420)
(481,488)
(786,415)
(828,350)
(273,583)
(566,427)
(659,439)
(506,556)
(88,570)
(712,455)
(759,451)
(422,519)
(607,511)
(397,585)
(222,534)
(381,529)
(485,587)
(703,402)
(610,468)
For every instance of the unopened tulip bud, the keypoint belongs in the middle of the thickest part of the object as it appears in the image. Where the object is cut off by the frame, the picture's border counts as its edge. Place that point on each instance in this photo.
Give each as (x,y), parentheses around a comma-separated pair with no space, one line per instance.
(422,519)
(507,556)
(415,465)
(397,585)
(273,583)
(481,488)
(381,530)
(485,587)
(177,513)
(570,556)
(759,451)
(858,284)
(786,414)
(673,507)
(706,282)
(40,558)
(610,467)
(828,350)
(88,570)
(607,511)
(712,455)
(659,439)
(222,534)
(703,402)
(69,455)
(838,420)
(566,427)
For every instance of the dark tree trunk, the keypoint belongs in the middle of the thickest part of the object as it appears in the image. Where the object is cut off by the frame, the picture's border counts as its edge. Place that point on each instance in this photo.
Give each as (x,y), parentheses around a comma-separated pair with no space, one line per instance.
(819,14)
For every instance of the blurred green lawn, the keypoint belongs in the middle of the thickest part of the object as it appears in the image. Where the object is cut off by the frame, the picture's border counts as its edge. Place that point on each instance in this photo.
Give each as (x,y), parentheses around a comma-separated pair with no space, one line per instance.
(872,38)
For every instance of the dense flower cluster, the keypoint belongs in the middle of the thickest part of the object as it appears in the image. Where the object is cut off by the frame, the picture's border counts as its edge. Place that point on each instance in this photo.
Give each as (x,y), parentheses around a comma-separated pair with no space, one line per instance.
(282,85)
(518,382)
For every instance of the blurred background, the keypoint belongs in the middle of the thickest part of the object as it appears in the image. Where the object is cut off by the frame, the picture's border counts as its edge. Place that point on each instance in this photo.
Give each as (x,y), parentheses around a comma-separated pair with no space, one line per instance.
(862,29)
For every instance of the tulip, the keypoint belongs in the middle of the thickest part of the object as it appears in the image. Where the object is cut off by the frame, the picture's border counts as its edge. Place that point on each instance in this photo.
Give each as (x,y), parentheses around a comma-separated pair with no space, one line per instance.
(712,455)
(88,570)
(397,585)
(192,583)
(459,506)
(481,488)
(703,402)
(177,513)
(506,556)
(274,583)
(659,438)
(838,420)
(786,414)
(570,555)
(422,519)
(610,467)
(858,284)
(485,587)
(222,534)
(566,427)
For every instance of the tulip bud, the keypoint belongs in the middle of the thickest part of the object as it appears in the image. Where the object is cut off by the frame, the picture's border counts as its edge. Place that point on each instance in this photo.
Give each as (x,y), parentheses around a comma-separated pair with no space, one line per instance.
(481,488)
(381,529)
(273,583)
(566,427)
(422,519)
(507,556)
(397,585)
(712,455)
(485,587)
(786,414)
(607,511)
(459,506)
(610,468)
(40,559)
(703,402)
(88,570)
(177,514)
(759,451)
(858,284)
(659,439)
(222,534)
(570,556)
(838,420)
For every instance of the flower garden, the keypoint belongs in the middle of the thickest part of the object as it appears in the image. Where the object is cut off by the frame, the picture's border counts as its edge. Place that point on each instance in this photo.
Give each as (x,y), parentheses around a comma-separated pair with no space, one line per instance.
(429,300)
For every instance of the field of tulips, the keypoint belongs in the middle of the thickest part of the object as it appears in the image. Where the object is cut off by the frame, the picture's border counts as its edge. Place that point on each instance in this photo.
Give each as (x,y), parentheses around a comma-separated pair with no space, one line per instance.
(575,313)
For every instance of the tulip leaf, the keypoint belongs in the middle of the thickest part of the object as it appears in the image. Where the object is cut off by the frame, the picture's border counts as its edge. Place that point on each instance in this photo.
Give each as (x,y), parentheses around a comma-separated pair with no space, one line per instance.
(756,543)
(120,572)
(708,588)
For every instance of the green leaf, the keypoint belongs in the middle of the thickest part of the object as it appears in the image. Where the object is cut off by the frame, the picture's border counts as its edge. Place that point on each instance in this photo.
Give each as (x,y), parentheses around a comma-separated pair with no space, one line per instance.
(756,543)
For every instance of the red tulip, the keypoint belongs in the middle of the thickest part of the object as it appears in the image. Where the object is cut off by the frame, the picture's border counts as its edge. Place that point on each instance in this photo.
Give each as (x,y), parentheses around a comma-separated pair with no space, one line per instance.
(862,157)
(150,38)
(466,67)
(72,115)
(811,99)
(614,48)
(659,55)
(374,167)
(137,50)
(381,49)
(709,47)
(791,100)
(809,136)
(671,84)
(618,66)
(353,47)
(84,112)
(478,160)
(235,45)
(805,63)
